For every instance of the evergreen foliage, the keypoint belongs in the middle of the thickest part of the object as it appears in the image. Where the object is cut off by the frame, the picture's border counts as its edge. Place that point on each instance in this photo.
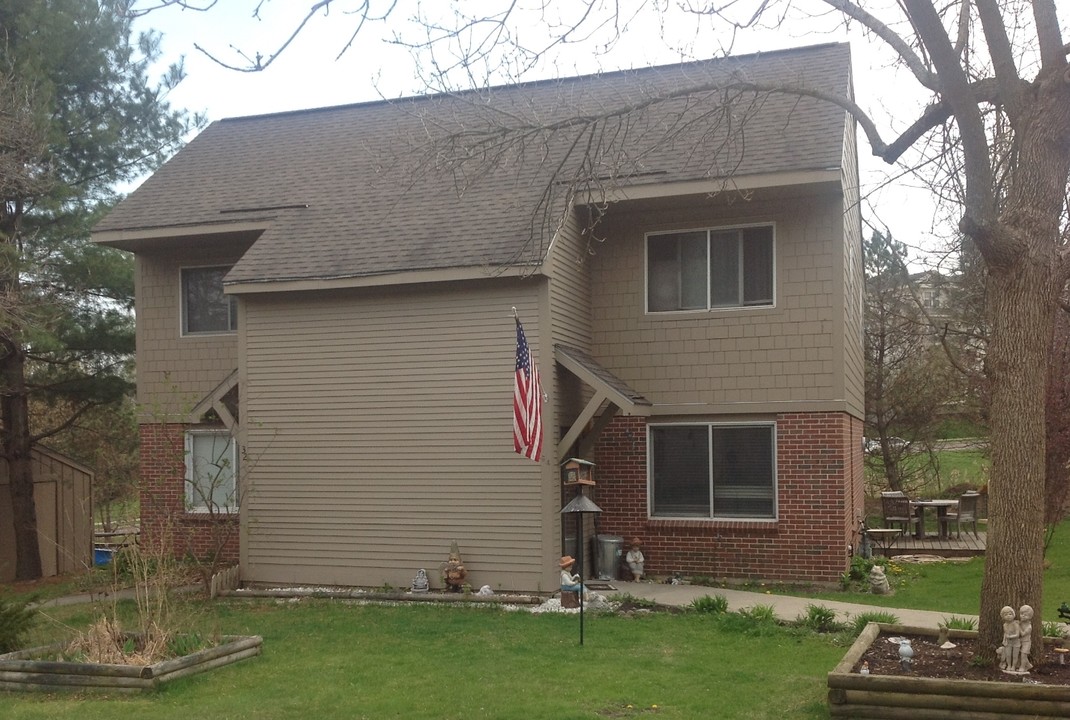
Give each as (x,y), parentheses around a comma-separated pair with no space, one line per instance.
(80,117)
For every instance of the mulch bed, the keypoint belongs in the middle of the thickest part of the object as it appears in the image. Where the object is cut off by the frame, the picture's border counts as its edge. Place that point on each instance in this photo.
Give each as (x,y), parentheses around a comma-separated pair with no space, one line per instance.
(931,661)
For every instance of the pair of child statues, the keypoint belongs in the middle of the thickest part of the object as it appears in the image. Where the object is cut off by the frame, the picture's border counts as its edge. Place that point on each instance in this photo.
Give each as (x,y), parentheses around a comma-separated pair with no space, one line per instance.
(1017,640)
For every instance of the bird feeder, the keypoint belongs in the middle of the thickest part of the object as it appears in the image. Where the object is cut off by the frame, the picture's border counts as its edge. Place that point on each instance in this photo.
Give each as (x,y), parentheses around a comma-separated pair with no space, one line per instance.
(576,471)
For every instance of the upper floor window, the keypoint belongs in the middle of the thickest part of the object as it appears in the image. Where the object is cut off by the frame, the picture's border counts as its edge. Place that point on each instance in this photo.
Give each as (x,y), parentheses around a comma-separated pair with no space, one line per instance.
(211,472)
(712,471)
(205,308)
(704,269)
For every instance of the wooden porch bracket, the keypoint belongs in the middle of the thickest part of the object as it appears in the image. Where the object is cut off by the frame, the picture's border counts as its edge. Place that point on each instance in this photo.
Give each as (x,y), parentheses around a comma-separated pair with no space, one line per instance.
(609,390)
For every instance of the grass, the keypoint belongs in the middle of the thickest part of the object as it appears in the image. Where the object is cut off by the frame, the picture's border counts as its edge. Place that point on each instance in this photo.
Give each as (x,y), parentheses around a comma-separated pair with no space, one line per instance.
(341,660)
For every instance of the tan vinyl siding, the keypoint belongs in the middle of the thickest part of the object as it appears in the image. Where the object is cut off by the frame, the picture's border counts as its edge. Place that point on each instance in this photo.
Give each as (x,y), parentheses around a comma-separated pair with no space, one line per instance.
(766,359)
(854,355)
(570,303)
(378,429)
(174,372)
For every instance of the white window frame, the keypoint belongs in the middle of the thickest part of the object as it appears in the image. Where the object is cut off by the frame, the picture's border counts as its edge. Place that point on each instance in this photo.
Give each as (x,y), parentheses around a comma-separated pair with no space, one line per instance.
(195,502)
(710,427)
(710,231)
(232,304)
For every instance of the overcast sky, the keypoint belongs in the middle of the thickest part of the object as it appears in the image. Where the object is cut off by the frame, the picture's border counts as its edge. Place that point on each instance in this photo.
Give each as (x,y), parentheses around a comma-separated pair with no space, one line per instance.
(308,75)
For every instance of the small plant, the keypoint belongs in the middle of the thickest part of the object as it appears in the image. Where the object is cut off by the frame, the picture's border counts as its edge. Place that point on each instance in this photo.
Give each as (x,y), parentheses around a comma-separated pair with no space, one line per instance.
(1054,629)
(703,580)
(180,645)
(859,622)
(958,623)
(16,619)
(715,605)
(819,619)
(760,614)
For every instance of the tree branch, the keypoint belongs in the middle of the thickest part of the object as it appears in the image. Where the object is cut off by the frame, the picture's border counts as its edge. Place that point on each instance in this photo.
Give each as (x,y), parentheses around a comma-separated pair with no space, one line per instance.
(980,207)
(1052,51)
(999,47)
(881,30)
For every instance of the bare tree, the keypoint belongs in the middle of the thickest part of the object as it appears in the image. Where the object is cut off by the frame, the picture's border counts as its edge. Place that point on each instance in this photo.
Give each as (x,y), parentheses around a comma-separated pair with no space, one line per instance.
(996,129)
(909,380)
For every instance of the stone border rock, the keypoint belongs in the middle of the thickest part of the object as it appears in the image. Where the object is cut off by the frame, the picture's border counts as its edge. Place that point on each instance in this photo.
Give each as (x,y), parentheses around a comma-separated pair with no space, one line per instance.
(23,670)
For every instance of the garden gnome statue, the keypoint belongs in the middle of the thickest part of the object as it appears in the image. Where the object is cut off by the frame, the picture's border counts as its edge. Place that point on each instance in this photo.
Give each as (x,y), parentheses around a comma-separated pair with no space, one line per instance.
(453,573)
(419,583)
(570,582)
(1025,628)
(878,581)
(635,560)
(1011,649)
(906,654)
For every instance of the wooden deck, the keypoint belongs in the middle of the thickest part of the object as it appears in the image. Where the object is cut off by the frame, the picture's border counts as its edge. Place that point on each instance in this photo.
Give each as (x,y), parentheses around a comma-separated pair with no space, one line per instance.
(967,545)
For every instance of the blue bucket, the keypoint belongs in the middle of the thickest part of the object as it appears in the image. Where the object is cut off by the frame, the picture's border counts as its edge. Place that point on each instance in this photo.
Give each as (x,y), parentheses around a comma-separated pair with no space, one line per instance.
(102,556)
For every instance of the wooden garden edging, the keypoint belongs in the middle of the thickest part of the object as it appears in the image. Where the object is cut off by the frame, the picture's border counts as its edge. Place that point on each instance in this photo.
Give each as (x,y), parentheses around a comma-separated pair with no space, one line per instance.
(894,697)
(20,671)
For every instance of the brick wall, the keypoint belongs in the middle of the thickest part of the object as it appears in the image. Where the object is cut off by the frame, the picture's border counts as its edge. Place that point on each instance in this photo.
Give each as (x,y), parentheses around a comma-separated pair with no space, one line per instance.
(163,512)
(819,494)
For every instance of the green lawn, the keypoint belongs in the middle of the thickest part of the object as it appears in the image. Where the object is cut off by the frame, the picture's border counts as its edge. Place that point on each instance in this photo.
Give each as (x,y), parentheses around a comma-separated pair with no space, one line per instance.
(955,587)
(339,660)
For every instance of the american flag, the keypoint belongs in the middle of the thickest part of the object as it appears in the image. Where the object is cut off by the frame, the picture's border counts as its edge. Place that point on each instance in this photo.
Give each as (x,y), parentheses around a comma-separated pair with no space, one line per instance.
(527,401)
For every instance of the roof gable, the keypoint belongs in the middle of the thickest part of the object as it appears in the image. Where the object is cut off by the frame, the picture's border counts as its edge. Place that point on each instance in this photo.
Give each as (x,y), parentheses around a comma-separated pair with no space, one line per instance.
(372,189)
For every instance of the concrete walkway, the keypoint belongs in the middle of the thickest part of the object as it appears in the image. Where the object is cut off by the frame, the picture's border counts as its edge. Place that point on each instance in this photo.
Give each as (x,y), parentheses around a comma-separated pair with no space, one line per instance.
(786,607)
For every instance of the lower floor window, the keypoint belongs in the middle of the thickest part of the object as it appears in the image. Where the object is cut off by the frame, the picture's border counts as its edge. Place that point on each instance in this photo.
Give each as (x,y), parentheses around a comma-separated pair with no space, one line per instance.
(710,471)
(211,471)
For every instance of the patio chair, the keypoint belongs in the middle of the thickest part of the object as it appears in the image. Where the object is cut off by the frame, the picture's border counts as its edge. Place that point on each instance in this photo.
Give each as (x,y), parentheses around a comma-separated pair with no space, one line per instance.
(897,511)
(966,513)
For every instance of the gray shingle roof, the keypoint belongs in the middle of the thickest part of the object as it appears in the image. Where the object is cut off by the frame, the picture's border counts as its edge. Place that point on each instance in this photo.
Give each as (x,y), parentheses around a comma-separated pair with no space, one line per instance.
(382,198)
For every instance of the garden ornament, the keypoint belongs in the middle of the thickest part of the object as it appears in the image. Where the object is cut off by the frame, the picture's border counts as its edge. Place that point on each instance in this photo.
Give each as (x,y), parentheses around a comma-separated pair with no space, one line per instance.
(1011,650)
(420,583)
(635,560)
(454,572)
(878,581)
(906,654)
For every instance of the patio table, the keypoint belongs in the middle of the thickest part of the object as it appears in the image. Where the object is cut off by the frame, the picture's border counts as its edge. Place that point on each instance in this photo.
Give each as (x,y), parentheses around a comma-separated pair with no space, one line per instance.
(941,506)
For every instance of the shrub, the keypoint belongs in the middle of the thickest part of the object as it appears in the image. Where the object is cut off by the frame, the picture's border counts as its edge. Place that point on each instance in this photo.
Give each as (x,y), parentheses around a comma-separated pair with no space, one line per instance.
(715,605)
(16,619)
(859,622)
(819,619)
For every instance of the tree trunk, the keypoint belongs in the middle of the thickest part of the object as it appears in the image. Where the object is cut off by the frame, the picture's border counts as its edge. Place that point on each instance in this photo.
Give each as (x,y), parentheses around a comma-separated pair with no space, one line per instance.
(17,450)
(1026,274)
(1020,316)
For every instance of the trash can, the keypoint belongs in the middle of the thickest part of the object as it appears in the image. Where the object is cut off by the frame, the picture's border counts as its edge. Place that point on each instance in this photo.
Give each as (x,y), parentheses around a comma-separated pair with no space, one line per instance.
(607,559)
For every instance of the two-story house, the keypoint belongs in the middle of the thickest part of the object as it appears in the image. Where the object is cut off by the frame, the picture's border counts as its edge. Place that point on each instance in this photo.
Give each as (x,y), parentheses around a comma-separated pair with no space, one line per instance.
(326,334)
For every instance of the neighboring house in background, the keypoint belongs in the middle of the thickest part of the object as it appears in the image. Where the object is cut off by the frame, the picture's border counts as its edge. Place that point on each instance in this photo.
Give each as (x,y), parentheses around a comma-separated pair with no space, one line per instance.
(63,494)
(324,323)
(934,293)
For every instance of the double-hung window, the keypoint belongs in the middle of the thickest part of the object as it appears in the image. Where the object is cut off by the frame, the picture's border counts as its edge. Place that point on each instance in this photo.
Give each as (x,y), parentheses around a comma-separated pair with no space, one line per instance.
(713,471)
(211,472)
(205,308)
(708,269)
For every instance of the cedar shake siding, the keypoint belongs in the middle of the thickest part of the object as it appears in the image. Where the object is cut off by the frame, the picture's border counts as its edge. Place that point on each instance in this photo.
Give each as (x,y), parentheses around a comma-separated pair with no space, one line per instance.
(772,358)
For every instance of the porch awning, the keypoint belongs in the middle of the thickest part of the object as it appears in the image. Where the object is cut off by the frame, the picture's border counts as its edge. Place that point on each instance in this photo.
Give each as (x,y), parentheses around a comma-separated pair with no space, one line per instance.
(608,388)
